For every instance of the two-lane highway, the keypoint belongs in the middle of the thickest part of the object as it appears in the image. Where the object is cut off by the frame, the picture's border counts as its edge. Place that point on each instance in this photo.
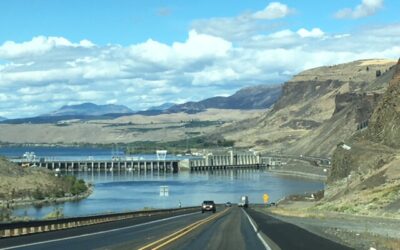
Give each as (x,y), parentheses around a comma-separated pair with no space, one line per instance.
(229,228)
(232,230)
(126,234)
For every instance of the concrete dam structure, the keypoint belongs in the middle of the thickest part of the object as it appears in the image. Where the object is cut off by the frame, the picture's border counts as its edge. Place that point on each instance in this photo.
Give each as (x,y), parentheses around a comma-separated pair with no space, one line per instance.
(210,161)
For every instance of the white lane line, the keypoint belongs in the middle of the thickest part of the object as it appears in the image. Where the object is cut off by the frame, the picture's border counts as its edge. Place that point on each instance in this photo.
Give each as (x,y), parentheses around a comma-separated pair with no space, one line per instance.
(97,233)
(257,231)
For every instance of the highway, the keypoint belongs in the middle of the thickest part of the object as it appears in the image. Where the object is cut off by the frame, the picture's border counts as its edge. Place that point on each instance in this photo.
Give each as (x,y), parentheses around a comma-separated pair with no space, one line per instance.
(126,234)
(229,228)
(232,230)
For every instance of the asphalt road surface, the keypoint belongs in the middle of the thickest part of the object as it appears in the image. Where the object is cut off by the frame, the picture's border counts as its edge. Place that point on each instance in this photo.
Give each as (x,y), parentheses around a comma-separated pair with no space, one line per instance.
(232,230)
(229,228)
(288,236)
(126,234)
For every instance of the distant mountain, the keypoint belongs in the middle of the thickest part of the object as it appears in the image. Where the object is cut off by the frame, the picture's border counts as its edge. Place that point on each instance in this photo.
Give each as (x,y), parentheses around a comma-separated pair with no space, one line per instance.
(162,107)
(255,97)
(2,118)
(90,109)
(84,111)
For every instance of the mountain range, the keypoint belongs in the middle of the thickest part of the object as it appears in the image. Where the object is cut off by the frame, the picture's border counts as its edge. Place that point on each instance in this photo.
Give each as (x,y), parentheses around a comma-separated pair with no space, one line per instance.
(255,97)
(162,107)
(2,118)
(90,109)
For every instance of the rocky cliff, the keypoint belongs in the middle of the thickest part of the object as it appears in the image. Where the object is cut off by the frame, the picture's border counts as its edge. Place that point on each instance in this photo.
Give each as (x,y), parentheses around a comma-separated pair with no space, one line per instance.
(376,144)
(365,175)
(318,109)
(384,126)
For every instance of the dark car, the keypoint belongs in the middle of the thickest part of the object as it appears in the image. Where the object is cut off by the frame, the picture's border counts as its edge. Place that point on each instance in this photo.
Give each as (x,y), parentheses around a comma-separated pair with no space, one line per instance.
(208,206)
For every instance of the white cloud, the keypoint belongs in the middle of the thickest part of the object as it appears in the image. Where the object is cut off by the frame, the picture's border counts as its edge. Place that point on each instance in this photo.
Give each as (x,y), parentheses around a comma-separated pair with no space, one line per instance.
(38,46)
(112,101)
(274,10)
(244,25)
(201,46)
(366,8)
(142,74)
(315,33)
(214,75)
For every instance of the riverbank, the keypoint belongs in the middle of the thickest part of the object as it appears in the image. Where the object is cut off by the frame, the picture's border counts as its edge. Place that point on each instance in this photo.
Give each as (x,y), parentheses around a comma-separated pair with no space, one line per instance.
(359,232)
(23,202)
(303,169)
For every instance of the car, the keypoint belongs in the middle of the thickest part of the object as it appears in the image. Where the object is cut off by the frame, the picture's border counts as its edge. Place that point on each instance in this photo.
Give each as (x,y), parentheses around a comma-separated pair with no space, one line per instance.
(228,204)
(208,206)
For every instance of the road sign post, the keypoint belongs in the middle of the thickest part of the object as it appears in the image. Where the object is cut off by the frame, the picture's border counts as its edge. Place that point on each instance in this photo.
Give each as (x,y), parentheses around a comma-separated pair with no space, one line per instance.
(164,191)
(266,198)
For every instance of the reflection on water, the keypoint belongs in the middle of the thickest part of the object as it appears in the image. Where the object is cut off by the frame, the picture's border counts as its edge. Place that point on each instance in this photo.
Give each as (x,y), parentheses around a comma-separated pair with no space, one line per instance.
(127,191)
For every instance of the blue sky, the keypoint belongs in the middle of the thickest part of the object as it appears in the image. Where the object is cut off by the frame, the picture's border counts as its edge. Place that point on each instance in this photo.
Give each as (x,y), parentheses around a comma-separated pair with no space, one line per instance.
(144,53)
(125,22)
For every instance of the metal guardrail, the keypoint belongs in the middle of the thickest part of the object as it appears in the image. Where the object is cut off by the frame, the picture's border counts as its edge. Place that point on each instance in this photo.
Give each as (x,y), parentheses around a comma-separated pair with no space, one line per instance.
(38,226)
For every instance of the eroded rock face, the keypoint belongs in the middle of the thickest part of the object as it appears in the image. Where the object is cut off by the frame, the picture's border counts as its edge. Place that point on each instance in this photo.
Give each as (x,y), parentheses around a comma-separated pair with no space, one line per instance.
(384,126)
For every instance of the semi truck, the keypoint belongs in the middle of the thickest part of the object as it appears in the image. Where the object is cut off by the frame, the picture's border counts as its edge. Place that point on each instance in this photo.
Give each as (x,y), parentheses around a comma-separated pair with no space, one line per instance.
(244,201)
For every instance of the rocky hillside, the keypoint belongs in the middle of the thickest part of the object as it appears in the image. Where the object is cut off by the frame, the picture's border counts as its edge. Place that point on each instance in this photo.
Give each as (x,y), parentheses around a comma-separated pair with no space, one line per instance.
(256,97)
(384,126)
(318,109)
(365,176)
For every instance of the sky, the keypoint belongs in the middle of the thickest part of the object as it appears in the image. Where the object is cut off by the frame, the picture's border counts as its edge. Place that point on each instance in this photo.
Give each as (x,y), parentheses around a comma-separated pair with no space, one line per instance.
(145,53)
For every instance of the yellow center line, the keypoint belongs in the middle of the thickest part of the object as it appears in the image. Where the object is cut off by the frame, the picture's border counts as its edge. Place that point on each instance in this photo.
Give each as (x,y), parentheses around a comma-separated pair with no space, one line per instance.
(176,235)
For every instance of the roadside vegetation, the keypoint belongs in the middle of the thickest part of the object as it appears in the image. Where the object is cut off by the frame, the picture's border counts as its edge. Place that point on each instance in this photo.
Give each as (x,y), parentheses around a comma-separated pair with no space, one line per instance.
(179,146)
(31,185)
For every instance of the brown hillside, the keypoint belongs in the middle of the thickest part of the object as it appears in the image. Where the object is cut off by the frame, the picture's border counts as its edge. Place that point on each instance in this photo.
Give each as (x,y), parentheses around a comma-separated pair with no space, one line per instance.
(365,178)
(318,109)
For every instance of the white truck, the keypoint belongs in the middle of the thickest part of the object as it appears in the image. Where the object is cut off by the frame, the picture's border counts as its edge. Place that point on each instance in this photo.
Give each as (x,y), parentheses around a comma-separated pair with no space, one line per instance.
(244,201)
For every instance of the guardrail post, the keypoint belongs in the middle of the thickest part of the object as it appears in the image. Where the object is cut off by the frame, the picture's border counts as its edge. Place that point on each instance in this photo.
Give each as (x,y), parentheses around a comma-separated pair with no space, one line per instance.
(16,232)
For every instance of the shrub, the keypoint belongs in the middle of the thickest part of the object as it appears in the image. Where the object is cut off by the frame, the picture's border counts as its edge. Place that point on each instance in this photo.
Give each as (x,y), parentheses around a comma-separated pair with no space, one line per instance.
(38,194)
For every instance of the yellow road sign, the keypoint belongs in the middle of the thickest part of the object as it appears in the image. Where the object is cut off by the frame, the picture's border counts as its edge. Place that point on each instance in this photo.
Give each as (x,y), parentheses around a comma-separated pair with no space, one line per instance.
(265,198)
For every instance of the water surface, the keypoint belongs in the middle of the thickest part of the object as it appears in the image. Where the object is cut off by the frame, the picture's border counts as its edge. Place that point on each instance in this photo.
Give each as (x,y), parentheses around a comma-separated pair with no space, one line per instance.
(130,191)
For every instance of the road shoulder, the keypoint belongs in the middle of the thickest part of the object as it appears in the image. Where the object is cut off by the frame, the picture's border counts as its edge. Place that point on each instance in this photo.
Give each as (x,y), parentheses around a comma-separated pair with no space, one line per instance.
(358,232)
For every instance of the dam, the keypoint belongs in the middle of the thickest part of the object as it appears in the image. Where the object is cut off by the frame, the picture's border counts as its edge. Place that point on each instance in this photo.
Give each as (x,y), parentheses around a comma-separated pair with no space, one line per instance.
(159,163)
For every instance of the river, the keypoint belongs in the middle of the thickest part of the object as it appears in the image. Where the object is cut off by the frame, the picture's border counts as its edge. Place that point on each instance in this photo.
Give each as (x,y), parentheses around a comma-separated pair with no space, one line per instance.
(128,191)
